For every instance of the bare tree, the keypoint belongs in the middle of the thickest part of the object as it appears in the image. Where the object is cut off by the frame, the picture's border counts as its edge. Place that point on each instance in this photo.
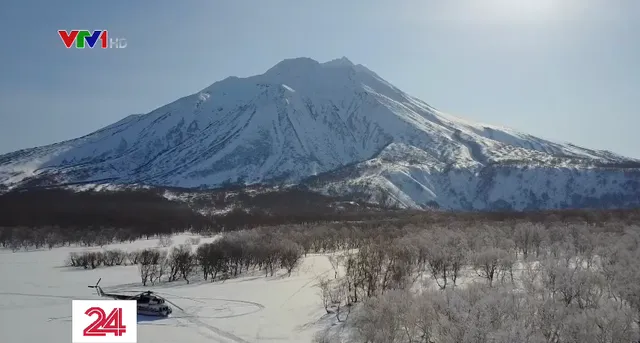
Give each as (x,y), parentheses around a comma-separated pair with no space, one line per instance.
(506,265)
(377,321)
(146,271)
(335,260)
(325,294)
(160,268)
(290,255)
(338,294)
(181,261)
(487,263)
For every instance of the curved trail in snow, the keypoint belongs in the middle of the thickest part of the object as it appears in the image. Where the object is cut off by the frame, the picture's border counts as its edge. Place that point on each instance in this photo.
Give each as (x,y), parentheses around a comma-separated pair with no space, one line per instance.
(194,318)
(198,299)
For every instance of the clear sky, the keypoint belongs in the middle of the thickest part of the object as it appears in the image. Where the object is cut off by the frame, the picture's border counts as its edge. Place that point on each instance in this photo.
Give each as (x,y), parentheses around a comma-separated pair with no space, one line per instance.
(566,70)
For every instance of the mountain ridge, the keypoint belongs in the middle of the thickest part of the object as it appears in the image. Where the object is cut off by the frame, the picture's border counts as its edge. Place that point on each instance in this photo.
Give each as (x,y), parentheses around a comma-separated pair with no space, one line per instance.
(302,118)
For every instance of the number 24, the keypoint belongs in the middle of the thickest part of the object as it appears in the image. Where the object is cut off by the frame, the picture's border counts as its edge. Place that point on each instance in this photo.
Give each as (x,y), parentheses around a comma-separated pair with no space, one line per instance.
(105,324)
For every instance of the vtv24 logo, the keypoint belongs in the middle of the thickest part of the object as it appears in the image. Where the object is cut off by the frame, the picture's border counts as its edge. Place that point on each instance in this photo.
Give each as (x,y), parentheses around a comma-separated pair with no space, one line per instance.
(84,38)
(104,321)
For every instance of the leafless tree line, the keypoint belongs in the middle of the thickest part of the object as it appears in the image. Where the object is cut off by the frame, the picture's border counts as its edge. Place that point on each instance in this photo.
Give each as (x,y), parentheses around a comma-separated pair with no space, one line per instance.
(25,238)
(95,259)
(53,218)
(232,255)
(248,250)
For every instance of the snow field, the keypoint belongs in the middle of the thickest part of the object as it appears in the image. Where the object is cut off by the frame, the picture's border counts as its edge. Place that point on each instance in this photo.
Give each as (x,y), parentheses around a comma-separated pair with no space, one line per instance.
(36,290)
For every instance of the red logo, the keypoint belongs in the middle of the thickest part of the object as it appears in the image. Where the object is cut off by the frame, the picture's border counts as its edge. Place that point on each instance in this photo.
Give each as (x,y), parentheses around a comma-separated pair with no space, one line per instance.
(104,324)
(104,321)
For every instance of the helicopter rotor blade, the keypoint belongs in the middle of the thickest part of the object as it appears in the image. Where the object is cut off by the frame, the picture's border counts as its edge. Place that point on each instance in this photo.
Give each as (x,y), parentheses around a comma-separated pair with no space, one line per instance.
(135,295)
(171,302)
(138,293)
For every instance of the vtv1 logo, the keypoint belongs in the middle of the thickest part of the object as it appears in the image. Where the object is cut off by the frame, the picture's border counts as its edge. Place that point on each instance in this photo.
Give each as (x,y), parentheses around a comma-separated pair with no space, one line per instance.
(84,38)
(104,321)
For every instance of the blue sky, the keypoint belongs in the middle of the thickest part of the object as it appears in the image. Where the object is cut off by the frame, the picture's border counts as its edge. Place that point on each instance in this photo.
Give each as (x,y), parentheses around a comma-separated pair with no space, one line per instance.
(566,70)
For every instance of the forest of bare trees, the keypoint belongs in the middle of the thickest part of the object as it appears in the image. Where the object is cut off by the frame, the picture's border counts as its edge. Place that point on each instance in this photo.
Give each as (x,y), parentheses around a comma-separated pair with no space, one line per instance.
(515,281)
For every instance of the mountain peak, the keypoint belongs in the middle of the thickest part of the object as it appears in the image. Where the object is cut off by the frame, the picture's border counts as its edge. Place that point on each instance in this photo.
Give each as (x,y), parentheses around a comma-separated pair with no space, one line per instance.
(294,65)
(339,62)
(301,65)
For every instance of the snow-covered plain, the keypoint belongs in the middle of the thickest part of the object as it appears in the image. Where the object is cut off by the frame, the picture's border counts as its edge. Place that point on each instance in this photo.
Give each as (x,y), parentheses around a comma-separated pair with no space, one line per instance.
(36,289)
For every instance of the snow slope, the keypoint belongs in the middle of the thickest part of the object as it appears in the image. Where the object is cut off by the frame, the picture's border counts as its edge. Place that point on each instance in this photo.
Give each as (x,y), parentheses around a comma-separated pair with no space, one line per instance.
(35,302)
(415,180)
(303,118)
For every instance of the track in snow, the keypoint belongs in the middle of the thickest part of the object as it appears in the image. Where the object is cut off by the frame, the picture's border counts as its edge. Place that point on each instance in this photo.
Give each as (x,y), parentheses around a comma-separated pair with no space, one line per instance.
(195,319)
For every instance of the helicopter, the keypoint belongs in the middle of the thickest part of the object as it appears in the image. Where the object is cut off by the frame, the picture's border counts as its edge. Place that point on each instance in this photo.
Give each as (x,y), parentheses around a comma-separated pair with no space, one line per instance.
(149,304)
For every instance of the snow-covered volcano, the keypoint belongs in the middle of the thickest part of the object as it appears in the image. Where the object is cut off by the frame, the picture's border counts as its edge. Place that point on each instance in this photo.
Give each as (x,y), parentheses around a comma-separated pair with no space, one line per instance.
(339,128)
